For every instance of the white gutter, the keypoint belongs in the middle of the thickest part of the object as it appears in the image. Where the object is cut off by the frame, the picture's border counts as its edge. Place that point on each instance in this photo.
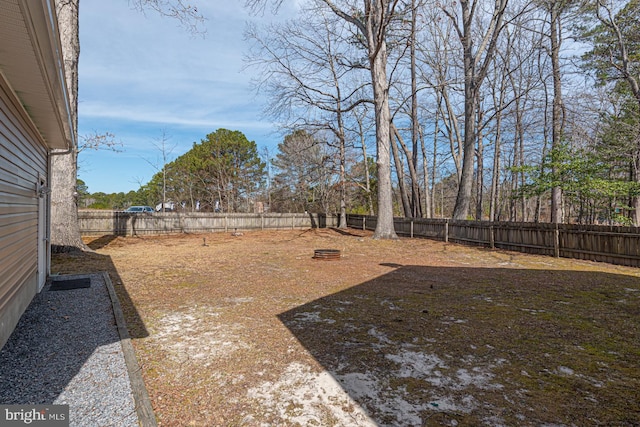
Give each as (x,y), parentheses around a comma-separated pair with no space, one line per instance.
(53,22)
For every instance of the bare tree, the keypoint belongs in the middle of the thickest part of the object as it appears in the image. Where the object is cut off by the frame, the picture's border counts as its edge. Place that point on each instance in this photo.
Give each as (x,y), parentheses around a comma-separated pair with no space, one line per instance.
(498,95)
(511,84)
(371,23)
(160,165)
(305,174)
(614,55)
(439,72)
(404,100)
(476,59)
(99,141)
(527,76)
(555,8)
(65,230)
(307,71)
(185,13)
(360,129)
(415,126)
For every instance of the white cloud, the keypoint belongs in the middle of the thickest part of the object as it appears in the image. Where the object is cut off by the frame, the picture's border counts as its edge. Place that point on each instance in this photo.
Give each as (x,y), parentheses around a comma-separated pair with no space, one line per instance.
(142,73)
(165,117)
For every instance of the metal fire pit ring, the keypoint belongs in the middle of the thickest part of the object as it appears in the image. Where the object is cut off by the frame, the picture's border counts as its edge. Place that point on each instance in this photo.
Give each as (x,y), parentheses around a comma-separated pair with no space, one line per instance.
(326,254)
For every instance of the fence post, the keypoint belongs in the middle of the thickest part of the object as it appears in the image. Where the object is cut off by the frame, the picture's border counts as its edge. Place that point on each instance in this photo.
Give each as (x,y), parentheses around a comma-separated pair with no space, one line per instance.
(556,241)
(262,222)
(492,239)
(411,229)
(226,225)
(364,223)
(446,231)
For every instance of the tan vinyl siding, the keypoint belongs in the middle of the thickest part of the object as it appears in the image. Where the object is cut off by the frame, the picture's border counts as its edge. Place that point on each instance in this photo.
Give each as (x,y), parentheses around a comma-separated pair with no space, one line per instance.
(23,160)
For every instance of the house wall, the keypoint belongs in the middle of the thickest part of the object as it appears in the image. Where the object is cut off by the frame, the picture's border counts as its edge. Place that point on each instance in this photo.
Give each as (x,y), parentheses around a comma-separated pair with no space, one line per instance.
(23,162)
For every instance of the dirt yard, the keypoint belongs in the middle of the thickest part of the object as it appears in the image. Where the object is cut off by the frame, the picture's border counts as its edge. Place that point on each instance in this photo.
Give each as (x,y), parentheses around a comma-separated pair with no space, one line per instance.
(250,330)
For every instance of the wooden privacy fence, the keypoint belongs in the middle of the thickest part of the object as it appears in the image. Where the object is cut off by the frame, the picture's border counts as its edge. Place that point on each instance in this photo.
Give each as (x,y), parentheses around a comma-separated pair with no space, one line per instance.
(94,223)
(612,244)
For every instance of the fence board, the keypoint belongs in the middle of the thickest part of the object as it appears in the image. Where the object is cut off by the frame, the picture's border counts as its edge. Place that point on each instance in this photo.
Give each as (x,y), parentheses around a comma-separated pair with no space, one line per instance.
(616,245)
(612,244)
(127,224)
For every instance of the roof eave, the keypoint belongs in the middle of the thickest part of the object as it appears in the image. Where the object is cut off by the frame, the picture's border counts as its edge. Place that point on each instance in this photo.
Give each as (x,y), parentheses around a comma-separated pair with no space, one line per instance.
(35,70)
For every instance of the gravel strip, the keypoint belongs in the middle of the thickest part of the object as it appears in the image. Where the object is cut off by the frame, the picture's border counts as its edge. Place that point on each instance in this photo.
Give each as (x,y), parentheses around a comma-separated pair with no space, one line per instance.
(66,350)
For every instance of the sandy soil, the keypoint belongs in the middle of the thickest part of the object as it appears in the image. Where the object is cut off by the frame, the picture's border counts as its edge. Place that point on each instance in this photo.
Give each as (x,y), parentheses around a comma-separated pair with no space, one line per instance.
(250,330)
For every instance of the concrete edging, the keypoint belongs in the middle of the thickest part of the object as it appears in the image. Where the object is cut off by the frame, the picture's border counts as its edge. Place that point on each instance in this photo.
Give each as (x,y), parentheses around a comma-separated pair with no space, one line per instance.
(146,416)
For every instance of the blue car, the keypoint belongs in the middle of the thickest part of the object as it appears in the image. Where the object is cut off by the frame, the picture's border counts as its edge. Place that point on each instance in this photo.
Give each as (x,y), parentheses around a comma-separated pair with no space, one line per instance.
(140,209)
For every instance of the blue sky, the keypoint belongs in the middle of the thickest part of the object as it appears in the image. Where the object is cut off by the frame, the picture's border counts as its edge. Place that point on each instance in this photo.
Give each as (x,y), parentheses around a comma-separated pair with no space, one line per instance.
(142,76)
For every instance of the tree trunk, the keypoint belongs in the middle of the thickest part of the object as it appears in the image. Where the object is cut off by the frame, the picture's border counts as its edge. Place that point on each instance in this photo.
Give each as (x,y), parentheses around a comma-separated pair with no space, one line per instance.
(413,172)
(513,205)
(342,222)
(476,64)
(521,162)
(480,171)
(428,211)
(378,62)
(65,229)
(557,119)
(495,176)
(343,180)
(404,196)
(463,199)
(373,27)
(365,159)
(416,206)
(453,129)
(434,164)
(497,151)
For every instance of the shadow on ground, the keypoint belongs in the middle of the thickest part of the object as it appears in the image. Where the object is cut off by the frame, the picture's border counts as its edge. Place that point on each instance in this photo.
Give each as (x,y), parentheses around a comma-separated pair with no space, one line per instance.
(61,332)
(346,232)
(102,241)
(79,263)
(471,346)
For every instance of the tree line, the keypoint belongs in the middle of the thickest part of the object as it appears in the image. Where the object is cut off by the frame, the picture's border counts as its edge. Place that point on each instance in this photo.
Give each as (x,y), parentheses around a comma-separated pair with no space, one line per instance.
(224,172)
(509,110)
(501,110)
(529,107)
